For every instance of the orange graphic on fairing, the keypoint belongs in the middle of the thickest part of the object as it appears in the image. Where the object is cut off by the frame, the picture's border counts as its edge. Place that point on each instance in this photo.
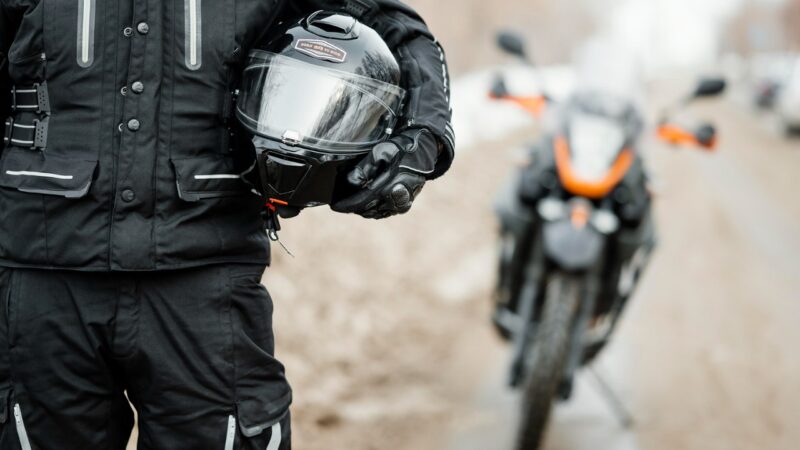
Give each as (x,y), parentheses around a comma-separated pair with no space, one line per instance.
(577,185)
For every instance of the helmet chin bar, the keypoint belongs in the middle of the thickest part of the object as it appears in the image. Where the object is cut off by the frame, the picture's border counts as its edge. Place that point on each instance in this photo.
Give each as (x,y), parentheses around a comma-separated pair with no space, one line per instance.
(300,176)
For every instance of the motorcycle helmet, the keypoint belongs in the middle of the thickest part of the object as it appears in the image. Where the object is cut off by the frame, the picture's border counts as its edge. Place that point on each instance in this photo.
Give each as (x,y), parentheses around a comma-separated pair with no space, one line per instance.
(314,99)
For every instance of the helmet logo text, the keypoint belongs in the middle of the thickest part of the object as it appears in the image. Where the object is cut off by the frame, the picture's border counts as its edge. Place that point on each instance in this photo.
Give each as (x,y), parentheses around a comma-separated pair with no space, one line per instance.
(321,50)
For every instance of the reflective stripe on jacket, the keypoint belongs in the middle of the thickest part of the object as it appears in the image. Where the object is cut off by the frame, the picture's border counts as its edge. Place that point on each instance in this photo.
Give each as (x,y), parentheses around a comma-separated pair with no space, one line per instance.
(137,172)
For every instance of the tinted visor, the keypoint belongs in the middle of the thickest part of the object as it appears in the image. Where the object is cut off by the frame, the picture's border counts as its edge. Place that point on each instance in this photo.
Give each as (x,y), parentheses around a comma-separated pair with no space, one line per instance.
(304,104)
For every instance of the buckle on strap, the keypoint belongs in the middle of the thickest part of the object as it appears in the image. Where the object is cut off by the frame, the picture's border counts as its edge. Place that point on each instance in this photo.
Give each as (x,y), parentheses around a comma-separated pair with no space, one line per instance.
(8,129)
(32,135)
(30,98)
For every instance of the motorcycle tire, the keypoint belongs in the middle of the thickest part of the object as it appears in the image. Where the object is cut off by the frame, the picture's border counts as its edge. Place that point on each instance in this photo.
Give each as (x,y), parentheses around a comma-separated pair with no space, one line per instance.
(549,354)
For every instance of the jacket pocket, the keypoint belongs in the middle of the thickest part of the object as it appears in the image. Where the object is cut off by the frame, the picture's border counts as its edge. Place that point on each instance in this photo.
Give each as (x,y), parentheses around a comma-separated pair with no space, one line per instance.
(252,426)
(263,396)
(207,177)
(274,435)
(26,56)
(41,173)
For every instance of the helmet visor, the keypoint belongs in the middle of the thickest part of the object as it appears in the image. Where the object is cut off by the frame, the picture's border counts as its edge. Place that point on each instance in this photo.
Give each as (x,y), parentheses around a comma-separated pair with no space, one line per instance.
(304,104)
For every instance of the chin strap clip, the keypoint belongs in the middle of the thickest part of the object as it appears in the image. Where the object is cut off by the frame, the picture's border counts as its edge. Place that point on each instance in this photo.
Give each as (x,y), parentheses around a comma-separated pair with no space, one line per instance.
(272,221)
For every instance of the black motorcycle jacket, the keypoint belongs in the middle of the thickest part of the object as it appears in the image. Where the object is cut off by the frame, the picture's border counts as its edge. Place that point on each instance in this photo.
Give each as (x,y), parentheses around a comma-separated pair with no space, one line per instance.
(117,152)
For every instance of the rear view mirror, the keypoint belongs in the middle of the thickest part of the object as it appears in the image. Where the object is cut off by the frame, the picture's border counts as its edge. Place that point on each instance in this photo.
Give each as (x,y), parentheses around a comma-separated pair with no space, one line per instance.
(709,87)
(706,136)
(512,43)
(703,136)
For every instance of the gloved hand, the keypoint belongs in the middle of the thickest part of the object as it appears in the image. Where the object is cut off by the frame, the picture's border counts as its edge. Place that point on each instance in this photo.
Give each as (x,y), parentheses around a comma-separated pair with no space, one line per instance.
(391,175)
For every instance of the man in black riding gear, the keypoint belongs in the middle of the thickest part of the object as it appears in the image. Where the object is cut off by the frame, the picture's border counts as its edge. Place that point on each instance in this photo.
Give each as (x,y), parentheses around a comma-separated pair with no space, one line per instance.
(131,246)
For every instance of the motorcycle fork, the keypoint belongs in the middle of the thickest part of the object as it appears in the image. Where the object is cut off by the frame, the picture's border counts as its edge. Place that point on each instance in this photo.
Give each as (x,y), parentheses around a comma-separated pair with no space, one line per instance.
(527,314)
(591,289)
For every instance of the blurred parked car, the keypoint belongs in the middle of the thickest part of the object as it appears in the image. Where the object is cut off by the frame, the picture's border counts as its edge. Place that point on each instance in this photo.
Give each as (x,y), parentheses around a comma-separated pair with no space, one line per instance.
(789,102)
(766,91)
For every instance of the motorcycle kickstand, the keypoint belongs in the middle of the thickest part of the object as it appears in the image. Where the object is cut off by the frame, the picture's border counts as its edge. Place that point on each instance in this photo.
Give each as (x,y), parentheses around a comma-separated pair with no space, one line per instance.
(621,413)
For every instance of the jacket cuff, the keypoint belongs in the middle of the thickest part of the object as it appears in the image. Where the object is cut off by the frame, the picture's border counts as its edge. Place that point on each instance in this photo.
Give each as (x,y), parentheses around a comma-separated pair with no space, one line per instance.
(430,155)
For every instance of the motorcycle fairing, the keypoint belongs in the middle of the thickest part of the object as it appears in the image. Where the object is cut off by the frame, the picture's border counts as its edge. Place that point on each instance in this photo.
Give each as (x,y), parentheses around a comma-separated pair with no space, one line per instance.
(578,185)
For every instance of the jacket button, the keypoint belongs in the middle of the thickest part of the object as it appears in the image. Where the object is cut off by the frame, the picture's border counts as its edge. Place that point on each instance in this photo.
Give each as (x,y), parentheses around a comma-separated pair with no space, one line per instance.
(143,28)
(128,195)
(134,125)
(124,90)
(137,87)
(127,31)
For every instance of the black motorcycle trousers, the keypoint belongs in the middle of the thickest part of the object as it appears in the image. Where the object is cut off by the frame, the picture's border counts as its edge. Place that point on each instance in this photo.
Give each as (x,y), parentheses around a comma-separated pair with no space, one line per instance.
(191,350)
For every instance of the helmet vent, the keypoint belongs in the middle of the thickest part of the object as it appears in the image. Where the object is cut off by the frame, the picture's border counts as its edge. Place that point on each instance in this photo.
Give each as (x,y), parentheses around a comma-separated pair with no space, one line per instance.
(332,25)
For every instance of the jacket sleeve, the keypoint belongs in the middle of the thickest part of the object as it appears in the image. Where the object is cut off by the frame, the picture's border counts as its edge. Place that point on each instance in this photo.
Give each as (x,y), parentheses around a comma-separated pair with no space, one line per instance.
(9,22)
(422,60)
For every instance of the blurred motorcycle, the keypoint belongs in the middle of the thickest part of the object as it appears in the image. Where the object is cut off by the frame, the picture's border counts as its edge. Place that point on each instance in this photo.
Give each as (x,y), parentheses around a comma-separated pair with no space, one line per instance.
(576,229)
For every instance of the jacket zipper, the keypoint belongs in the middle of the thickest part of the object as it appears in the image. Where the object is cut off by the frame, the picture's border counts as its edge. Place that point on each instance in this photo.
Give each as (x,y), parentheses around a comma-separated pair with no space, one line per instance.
(21,432)
(86,24)
(194,23)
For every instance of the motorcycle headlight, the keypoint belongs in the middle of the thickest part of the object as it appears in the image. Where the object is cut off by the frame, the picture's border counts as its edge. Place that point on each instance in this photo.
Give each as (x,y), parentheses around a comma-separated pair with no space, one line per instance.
(551,209)
(604,221)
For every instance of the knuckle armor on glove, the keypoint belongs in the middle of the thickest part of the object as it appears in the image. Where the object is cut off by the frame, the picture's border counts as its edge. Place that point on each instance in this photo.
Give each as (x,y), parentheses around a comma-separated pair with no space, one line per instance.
(392,175)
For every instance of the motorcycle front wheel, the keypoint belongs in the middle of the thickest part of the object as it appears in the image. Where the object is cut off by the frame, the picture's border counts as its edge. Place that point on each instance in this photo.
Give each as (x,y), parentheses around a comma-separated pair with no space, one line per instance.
(549,354)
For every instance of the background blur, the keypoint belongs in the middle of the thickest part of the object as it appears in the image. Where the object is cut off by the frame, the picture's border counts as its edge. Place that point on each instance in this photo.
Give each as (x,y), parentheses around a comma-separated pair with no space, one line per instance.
(384,326)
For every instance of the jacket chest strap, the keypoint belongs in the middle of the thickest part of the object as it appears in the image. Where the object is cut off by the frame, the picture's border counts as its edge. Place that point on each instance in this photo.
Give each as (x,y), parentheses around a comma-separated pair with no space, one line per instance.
(21,134)
(20,129)
(32,99)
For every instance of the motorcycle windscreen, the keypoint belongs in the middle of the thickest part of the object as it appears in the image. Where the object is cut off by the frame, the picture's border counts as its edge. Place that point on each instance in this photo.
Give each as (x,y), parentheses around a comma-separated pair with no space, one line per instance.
(595,143)
(303,104)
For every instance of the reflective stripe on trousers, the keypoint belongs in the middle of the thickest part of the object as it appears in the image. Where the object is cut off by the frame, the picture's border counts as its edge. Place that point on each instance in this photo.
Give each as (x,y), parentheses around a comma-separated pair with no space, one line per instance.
(274,439)
(22,433)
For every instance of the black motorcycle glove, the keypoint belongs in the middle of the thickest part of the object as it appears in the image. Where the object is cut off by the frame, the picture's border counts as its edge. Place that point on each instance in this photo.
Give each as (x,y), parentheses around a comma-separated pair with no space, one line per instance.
(391,176)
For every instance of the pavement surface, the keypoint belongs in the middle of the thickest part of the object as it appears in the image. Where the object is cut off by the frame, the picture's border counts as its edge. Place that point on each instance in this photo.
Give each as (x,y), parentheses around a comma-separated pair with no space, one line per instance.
(384,330)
